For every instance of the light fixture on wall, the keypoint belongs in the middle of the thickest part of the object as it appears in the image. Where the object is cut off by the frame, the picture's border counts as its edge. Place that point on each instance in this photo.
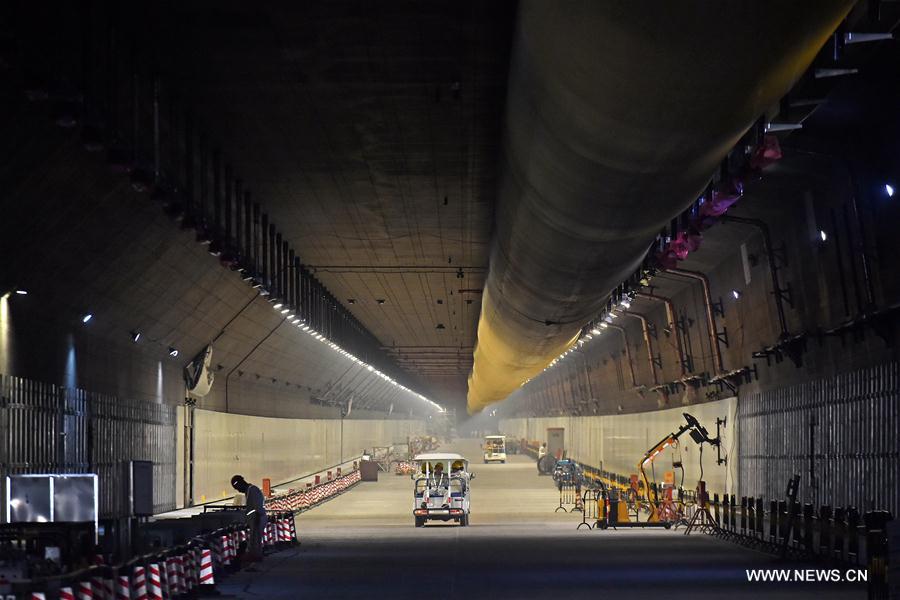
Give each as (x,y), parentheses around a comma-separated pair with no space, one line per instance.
(889,190)
(736,293)
(135,336)
(21,292)
(822,235)
(86,317)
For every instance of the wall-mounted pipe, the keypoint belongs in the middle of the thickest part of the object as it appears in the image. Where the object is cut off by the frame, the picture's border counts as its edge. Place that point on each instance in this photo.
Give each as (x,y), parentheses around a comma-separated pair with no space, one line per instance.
(645,329)
(624,333)
(710,315)
(617,116)
(671,324)
(587,375)
(773,265)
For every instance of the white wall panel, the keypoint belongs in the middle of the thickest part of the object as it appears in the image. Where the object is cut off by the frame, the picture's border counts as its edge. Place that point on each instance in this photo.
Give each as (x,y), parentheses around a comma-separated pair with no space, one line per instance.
(617,442)
(280,449)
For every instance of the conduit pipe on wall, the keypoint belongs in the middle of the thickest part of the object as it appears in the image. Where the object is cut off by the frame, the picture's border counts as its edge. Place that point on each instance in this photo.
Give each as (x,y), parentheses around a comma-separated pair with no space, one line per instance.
(587,374)
(710,315)
(617,115)
(673,327)
(624,333)
(645,328)
(773,266)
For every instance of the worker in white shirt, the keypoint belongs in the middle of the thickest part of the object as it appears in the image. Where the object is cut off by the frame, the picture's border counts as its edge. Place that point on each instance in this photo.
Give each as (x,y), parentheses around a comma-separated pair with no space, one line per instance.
(542,452)
(256,515)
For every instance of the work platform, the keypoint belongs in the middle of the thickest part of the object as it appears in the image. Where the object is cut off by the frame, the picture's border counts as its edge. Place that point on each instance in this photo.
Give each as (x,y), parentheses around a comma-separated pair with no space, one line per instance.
(364,544)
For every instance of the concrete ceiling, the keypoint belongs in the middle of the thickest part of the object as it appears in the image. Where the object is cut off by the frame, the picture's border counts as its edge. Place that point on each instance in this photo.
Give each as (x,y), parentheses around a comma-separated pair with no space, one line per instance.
(370,133)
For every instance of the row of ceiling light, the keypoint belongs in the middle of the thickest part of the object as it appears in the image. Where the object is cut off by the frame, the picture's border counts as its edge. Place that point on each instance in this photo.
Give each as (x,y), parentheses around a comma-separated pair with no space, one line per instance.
(87,317)
(299,323)
(625,304)
(293,319)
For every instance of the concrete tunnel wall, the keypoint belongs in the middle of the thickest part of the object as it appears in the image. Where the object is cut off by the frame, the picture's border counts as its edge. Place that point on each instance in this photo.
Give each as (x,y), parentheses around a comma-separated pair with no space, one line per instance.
(617,442)
(98,246)
(280,449)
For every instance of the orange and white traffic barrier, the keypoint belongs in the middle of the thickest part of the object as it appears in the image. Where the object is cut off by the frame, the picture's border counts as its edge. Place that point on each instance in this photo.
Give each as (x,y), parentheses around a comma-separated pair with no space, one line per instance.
(139,584)
(206,568)
(123,588)
(66,593)
(85,590)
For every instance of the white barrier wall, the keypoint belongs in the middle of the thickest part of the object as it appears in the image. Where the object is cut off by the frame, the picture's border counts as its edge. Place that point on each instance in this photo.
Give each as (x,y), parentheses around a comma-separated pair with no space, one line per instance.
(617,442)
(280,449)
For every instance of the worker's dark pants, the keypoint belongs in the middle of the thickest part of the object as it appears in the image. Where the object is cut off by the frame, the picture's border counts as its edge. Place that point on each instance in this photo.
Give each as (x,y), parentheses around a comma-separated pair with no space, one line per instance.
(257,523)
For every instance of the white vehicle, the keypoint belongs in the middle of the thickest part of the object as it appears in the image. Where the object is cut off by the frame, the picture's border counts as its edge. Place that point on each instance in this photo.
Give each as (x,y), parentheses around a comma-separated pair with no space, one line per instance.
(494,448)
(441,488)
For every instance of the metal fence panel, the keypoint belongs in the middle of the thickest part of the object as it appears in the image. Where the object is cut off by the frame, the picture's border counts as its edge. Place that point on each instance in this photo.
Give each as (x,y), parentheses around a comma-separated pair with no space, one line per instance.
(52,429)
(839,433)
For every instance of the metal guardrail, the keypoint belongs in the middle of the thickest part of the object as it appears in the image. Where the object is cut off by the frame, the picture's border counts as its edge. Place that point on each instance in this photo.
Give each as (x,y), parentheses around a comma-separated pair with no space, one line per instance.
(182,570)
(569,495)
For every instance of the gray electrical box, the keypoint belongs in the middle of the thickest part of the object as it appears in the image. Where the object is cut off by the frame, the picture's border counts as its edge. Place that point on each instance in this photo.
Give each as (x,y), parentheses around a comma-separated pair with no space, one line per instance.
(49,498)
(139,488)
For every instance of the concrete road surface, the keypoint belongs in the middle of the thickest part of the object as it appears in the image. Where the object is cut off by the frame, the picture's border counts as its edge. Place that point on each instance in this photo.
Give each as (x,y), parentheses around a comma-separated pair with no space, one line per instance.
(364,545)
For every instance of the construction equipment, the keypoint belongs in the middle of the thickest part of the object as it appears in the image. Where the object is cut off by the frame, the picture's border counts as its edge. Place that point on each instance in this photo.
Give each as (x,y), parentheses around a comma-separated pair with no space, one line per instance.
(700,435)
(622,507)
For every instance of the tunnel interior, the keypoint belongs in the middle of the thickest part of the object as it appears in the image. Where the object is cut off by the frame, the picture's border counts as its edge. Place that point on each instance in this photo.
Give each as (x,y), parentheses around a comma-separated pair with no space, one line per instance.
(650,246)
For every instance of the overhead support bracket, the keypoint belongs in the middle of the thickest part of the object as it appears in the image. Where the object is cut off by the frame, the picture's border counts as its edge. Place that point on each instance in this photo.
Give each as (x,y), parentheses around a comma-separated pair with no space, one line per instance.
(718,308)
(785,294)
(722,336)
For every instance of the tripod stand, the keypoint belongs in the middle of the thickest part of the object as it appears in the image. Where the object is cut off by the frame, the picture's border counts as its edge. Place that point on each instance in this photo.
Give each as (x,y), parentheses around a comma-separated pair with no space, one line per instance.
(702,520)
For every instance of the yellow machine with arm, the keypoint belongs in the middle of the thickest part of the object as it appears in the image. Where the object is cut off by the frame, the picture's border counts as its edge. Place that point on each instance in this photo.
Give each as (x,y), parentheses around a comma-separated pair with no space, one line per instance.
(698,433)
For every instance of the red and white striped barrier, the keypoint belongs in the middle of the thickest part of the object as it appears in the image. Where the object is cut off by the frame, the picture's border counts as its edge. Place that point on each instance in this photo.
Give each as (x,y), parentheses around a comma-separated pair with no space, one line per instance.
(85,590)
(294,501)
(139,583)
(172,576)
(184,576)
(166,577)
(155,587)
(123,588)
(206,568)
(293,525)
(196,565)
(284,531)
